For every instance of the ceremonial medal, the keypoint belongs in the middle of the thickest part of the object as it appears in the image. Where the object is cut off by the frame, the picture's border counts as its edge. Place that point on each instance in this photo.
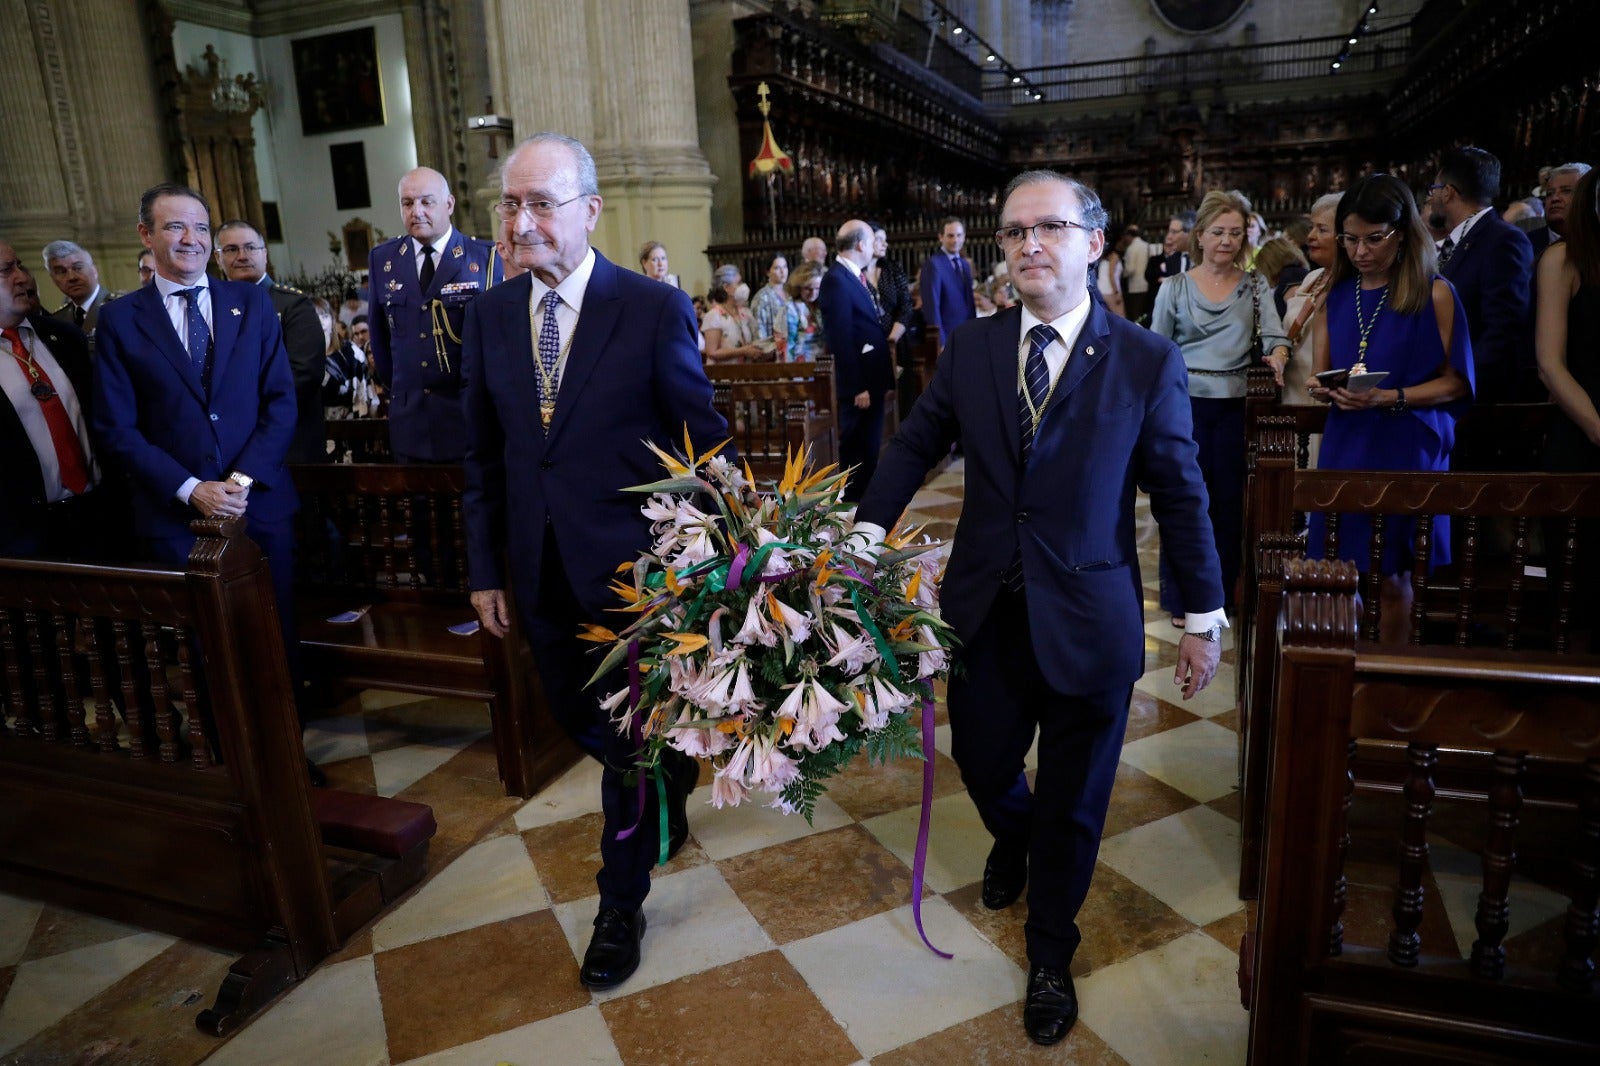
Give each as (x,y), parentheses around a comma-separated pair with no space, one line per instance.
(547,411)
(42,391)
(473,268)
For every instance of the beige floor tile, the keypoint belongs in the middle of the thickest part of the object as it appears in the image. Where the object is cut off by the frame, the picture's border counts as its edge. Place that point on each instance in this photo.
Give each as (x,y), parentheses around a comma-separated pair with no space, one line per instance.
(694,921)
(1459,876)
(398,768)
(866,791)
(1189,861)
(1138,799)
(958,843)
(1148,715)
(18,917)
(1200,759)
(997,1039)
(45,990)
(336,738)
(574,793)
(576,1038)
(334,1016)
(1177,1005)
(735,830)
(881,982)
(1215,699)
(490,881)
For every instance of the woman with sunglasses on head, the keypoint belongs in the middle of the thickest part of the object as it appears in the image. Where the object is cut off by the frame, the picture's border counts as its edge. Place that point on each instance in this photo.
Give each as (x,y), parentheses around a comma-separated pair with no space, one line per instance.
(1216,313)
(1388,311)
(1567,341)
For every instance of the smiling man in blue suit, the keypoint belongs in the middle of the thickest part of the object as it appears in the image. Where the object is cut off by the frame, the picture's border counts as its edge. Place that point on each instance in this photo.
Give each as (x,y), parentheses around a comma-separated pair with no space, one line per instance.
(566,371)
(1062,411)
(194,398)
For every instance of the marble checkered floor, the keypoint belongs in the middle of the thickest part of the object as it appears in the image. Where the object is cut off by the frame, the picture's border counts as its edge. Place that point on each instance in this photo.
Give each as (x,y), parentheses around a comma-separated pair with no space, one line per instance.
(769,940)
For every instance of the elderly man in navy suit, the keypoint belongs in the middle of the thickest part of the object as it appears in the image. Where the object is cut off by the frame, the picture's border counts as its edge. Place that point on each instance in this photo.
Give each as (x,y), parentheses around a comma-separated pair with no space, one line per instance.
(194,398)
(421,286)
(863,365)
(1062,410)
(567,369)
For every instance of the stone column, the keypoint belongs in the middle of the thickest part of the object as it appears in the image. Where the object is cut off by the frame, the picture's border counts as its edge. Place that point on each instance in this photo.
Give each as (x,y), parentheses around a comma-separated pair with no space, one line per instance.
(617,75)
(83,133)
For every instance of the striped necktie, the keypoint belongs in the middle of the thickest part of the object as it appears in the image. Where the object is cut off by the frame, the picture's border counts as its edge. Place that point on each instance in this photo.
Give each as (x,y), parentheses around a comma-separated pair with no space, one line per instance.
(1036,379)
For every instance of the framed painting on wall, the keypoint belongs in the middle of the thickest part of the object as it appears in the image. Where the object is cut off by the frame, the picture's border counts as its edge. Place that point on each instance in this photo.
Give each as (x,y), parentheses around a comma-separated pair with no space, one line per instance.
(358,239)
(350,188)
(338,81)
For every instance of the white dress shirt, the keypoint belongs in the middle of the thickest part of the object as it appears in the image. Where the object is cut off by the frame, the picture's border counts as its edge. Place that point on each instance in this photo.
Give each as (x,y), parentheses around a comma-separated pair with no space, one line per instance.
(571,291)
(439,244)
(177,306)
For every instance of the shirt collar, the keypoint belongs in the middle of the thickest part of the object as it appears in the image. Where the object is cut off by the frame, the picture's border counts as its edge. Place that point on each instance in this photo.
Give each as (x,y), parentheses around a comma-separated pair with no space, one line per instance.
(169,289)
(850,265)
(572,287)
(440,243)
(1068,326)
(1460,232)
(93,296)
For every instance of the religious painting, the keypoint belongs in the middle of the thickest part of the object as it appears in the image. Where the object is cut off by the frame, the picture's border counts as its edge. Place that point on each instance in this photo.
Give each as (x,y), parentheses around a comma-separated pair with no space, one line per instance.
(350,188)
(1197,16)
(338,81)
(358,239)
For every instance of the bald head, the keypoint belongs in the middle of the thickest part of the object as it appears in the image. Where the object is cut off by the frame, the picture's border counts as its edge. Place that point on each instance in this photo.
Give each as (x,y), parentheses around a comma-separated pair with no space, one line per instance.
(854,242)
(426,204)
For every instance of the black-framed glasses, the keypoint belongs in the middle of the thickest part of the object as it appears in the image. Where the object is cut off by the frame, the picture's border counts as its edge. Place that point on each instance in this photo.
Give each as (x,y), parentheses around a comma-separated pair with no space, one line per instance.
(507,210)
(1050,231)
(1437,187)
(1370,240)
(235,249)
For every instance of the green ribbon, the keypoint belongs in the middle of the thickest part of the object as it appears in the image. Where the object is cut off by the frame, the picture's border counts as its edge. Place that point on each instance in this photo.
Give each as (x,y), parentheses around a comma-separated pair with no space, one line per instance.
(878,638)
(661,812)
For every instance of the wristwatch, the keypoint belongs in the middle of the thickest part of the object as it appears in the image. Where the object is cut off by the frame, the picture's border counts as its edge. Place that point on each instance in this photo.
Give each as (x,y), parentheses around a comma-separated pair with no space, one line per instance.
(1399,400)
(244,481)
(1214,634)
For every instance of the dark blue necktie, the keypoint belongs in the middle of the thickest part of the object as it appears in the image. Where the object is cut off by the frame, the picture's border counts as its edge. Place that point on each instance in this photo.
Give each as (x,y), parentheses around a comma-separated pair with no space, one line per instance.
(1036,379)
(425,278)
(198,334)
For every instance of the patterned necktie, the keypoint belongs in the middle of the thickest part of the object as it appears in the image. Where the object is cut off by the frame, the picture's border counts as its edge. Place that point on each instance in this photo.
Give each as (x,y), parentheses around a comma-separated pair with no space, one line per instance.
(549,355)
(1036,379)
(1446,250)
(872,294)
(71,459)
(198,339)
(426,277)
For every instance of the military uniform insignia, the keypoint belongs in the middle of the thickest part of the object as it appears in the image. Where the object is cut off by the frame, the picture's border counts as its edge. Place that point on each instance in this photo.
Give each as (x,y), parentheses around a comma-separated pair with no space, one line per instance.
(473,267)
(387,266)
(457,252)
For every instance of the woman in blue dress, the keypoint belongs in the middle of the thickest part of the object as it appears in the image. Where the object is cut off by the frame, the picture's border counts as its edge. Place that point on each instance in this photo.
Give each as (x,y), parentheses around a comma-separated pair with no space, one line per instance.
(1389,311)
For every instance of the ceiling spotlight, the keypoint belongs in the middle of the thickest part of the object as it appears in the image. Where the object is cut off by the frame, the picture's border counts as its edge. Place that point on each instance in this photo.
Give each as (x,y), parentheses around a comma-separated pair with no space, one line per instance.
(1336,64)
(956,31)
(1352,40)
(990,58)
(1016,79)
(1373,10)
(1038,96)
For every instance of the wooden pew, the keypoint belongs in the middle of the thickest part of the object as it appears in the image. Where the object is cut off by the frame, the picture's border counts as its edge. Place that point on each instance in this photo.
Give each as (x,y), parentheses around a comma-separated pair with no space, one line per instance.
(1467,605)
(151,768)
(391,538)
(776,408)
(1315,997)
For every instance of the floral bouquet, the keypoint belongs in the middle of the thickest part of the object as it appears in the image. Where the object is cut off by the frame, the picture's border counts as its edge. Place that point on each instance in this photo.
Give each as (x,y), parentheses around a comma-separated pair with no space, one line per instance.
(758,644)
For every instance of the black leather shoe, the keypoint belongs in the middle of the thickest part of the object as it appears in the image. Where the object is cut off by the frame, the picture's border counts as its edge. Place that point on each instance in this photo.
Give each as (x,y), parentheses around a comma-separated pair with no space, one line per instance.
(1051,1007)
(613,952)
(682,778)
(1005,875)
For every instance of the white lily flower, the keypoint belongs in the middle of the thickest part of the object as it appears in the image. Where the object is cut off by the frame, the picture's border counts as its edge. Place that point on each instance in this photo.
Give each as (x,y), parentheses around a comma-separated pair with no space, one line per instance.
(797,623)
(725,473)
(714,693)
(695,546)
(818,724)
(793,703)
(697,741)
(756,628)
(742,698)
(661,509)
(853,654)
(771,769)
(930,662)
(882,701)
(727,791)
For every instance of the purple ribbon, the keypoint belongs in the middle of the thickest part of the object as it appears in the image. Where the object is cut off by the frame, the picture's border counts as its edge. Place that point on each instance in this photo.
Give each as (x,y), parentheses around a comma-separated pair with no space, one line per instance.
(736,568)
(921,862)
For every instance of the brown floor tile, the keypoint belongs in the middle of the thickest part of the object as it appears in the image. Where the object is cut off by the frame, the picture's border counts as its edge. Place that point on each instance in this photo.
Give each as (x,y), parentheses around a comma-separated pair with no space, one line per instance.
(145,1019)
(1228,931)
(686,1022)
(467,800)
(818,882)
(1137,799)
(1369,917)
(949,511)
(357,946)
(352,775)
(997,1039)
(454,989)
(1231,805)
(1120,920)
(1148,715)
(567,856)
(59,930)
(1158,654)
(7,975)
(1003,929)
(866,791)
(1228,719)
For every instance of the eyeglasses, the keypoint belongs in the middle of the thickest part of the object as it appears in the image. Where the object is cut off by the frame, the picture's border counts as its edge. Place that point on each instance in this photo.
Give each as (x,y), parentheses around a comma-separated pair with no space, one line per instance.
(1437,186)
(235,249)
(1053,231)
(1372,240)
(509,210)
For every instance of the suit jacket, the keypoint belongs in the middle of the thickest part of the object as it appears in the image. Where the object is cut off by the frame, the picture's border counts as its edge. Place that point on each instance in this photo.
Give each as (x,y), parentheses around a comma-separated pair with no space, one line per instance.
(302,338)
(22,499)
(1119,418)
(1492,270)
(1160,268)
(155,419)
(862,361)
(633,373)
(91,317)
(947,299)
(416,340)
(1539,240)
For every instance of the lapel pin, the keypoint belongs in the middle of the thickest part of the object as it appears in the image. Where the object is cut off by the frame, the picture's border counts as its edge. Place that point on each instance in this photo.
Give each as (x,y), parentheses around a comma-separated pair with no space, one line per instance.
(387,266)
(235,310)
(456,253)
(473,268)
(1089,350)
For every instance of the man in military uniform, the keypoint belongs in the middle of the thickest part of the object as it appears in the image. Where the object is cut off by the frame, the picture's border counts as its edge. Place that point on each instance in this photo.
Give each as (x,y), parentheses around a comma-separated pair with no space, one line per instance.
(72,270)
(242,256)
(421,285)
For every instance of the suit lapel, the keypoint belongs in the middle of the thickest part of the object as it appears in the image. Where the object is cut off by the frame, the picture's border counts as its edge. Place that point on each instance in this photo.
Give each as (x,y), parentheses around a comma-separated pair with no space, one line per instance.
(448,266)
(601,308)
(1093,342)
(1004,338)
(153,322)
(516,342)
(407,270)
(227,309)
